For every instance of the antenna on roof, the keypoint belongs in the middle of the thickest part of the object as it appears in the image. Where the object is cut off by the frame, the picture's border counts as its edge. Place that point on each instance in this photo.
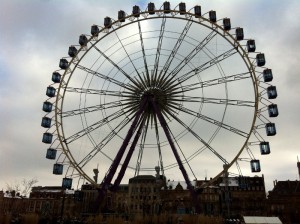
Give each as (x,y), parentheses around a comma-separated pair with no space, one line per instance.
(298,165)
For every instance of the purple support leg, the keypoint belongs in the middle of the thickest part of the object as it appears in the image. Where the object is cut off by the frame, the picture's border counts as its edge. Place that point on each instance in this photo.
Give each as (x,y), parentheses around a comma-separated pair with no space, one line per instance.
(128,157)
(177,157)
(113,168)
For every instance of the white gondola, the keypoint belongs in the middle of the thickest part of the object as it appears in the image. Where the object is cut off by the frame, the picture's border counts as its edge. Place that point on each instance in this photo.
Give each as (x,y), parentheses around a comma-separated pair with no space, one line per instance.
(136,11)
(46,122)
(95,31)
(212,16)
(264,148)
(255,166)
(272,92)
(107,22)
(251,47)
(58,169)
(121,16)
(47,138)
(72,51)
(267,74)
(273,110)
(67,183)
(270,129)
(47,106)
(51,153)
(56,77)
(182,8)
(50,91)
(260,60)
(83,40)
(151,8)
(167,7)
(63,63)
(78,195)
(197,11)
(226,24)
(239,32)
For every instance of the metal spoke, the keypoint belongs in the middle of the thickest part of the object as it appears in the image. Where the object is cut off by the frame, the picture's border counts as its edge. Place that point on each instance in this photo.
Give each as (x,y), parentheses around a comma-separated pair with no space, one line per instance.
(117,67)
(161,35)
(174,51)
(96,125)
(90,109)
(188,58)
(199,138)
(200,69)
(107,78)
(100,92)
(144,54)
(231,102)
(213,121)
(98,147)
(128,56)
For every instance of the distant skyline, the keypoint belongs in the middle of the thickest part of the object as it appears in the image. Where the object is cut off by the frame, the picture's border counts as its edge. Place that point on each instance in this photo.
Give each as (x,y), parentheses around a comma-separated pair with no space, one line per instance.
(35,34)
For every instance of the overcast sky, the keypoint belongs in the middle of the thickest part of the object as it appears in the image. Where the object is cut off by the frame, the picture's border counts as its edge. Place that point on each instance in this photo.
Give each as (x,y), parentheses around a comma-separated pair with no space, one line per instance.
(35,34)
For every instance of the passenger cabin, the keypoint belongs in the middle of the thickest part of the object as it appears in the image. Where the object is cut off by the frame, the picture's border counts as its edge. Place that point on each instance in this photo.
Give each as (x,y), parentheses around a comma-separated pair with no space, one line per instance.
(182,8)
(47,106)
(270,129)
(121,16)
(151,8)
(239,32)
(47,138)
(67,183)
(167,7)
(58,169)
(46,122)
(273,110)
(51,153)
(251,47)
(56,77)
(95,30)
(267,74)
(107,22)
(226,24)
(197,11)
(136,11)
(63,63)
(83,40)
(78,195)
(264,148)
(50,91)
(260,60)
(272,92)
(212,16)
(255,166)
(72,52)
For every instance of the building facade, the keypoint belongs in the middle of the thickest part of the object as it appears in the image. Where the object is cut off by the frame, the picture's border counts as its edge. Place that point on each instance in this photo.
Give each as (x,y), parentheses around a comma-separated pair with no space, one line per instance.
(284,201)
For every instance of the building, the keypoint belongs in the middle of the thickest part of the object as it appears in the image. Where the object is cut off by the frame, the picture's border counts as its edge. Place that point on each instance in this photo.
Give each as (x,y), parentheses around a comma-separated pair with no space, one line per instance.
(284,201)
(243,196)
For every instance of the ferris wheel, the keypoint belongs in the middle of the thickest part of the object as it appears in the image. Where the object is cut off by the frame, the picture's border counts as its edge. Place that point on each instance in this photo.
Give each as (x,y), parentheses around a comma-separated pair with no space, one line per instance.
(168,87)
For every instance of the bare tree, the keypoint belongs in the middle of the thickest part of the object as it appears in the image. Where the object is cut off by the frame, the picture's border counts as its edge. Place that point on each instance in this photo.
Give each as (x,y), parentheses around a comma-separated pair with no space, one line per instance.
(22,187)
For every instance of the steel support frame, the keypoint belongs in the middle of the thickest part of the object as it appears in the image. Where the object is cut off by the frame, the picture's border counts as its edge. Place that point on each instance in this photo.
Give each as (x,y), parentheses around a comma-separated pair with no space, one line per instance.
(164,125)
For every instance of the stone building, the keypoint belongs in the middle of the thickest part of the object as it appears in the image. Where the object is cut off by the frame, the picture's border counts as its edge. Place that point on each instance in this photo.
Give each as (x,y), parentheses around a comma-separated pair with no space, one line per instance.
(144,194)
(11,203)
(243,196)
(284,201)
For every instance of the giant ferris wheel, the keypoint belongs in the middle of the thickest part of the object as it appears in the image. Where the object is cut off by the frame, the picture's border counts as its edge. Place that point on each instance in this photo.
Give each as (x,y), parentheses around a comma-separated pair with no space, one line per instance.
(163,86)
